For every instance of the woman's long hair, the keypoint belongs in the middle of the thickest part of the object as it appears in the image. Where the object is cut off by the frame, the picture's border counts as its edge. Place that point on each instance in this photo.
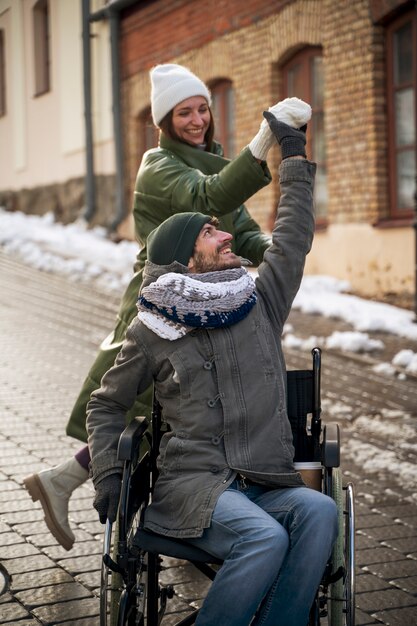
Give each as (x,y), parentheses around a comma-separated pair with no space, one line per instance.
(167,128)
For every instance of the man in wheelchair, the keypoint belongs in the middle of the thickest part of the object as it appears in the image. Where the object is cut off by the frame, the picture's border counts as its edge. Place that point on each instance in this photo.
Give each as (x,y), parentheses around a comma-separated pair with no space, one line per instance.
(208,337)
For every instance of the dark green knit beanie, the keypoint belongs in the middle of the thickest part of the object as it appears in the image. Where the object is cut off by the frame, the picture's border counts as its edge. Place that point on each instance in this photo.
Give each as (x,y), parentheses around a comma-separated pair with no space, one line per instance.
(174,239)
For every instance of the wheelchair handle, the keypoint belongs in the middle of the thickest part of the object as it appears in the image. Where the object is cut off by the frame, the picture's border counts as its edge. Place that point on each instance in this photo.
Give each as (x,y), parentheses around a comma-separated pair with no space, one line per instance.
(129,438)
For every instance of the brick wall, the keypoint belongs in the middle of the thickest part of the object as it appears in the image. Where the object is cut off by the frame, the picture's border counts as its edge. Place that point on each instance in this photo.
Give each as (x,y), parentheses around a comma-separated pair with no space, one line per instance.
(162,30)
(249,56)
(355,113)
(248,43)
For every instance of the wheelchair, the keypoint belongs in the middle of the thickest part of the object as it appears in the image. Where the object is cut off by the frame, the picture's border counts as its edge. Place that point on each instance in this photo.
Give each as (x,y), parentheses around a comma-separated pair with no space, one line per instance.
(130,591)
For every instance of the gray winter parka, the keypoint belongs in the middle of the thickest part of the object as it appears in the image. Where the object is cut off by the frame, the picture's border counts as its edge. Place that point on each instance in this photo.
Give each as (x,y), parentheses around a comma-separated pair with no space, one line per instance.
(222,391)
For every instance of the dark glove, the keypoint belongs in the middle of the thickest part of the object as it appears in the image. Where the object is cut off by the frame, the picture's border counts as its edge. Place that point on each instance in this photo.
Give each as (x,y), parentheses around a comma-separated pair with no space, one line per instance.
(107,497)
(291,140)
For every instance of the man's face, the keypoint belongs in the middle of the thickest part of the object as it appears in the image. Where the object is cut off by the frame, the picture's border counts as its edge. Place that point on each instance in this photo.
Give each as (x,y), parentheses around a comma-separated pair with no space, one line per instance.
(213,251)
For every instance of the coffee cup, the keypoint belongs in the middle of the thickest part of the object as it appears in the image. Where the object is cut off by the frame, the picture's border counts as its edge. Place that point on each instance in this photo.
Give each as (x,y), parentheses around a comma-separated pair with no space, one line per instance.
(311,473)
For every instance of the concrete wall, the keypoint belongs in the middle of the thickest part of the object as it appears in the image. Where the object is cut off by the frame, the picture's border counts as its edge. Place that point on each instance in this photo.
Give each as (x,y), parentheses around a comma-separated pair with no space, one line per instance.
(42,146)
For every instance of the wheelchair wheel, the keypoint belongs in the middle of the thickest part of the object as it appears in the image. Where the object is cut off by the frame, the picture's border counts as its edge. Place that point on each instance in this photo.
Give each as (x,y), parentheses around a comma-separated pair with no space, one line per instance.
(111,582)
(350,556)
(341,596)
(128,596)
(336,589)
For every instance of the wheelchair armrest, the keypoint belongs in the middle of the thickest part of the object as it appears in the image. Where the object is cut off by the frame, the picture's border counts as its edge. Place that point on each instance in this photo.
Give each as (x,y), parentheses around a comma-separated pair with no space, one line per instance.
(130,438)
(331,445)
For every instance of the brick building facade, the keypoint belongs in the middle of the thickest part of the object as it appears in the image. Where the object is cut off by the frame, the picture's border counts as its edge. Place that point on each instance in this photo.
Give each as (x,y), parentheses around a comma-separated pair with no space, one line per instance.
(361,235)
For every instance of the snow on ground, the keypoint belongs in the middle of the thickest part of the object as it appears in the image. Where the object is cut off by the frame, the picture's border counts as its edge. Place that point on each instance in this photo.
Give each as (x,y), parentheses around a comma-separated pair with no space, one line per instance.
(88,256)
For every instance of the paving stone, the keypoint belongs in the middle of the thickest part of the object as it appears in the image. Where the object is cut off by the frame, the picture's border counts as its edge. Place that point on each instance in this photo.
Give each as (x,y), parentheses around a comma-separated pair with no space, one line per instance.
(27,529)
(176,605)
(193,590)
(401,511)
(88,621)
(87,514)
(80,548)
(168,561)
(392,570)
(18,550)
(171,620)
(391,598)
(10,539)
(29,564)
(25,622)
(6,597)
(52,594)
(408,584)
(395,531)
(364,541)
(181,574)
(46,539)
(32,580)
(362,507)
(11,612)
(12,495)
(33,514)
(90,579)
(17,506)
(77,565)
(372,521)
(94,527)
(368,582)
(398,617)
(406,545)
(64,611)
(364,619)
(377,555)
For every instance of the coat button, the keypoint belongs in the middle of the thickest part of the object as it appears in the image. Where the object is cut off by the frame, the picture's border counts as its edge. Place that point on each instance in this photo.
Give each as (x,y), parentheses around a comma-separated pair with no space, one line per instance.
(211,403)
(214,470)
(215,441)
(208,365)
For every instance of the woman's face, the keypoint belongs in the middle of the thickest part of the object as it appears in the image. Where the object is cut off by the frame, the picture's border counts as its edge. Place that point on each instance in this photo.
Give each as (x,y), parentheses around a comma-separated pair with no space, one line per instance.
(191,119)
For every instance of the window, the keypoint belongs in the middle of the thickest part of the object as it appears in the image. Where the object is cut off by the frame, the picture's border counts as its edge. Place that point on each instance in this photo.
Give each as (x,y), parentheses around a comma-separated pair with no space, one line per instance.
(2,75)
(303,78)
(401,105)
(223,109)
(41,47)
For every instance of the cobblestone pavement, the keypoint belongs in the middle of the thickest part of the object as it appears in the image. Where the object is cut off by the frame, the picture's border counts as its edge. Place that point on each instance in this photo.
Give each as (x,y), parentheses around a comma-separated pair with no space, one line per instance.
(50,330)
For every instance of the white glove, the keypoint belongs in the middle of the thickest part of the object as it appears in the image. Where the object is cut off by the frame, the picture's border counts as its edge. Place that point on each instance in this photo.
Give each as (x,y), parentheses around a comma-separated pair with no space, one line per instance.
(291,111)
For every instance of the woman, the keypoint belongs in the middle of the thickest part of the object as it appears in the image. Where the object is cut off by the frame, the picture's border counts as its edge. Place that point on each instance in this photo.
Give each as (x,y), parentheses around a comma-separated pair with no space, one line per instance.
(187,172)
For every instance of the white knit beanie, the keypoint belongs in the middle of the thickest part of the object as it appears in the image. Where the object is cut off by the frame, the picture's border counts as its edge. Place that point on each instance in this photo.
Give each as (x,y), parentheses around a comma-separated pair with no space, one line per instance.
(171,84)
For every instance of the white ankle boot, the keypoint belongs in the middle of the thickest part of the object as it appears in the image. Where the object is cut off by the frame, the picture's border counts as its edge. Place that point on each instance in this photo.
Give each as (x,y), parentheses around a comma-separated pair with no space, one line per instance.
(53,488)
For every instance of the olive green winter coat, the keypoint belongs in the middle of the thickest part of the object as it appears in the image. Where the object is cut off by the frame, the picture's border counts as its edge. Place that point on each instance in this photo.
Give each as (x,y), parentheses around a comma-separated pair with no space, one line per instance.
(174,178)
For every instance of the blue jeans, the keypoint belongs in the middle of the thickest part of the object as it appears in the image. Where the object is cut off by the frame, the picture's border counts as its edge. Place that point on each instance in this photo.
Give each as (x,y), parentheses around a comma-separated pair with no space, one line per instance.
(275,545)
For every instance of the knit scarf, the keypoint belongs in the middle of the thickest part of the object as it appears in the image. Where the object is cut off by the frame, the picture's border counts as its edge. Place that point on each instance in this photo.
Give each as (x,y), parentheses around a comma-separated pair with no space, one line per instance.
(176,303)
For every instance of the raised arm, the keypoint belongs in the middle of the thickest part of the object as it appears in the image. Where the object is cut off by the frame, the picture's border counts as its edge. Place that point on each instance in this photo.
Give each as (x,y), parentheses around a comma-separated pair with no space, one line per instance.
(281,272)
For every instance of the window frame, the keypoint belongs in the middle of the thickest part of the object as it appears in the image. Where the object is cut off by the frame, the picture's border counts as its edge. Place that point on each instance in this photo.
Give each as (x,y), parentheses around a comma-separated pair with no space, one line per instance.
(3,94)
(41,47)
(304,57)
(222,90)
(396,213)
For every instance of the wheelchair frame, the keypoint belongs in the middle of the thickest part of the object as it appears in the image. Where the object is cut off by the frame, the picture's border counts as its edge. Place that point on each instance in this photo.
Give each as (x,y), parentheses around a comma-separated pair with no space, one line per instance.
(130,592)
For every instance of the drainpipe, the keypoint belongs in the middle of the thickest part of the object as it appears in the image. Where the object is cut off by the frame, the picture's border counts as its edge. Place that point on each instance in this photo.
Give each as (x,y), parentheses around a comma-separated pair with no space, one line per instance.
(117,120)
(415,192)
(90,192)
(112,12)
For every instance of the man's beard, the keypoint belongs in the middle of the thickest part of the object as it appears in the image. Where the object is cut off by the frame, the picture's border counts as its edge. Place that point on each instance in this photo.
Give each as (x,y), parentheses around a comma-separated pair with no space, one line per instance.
(213,263)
